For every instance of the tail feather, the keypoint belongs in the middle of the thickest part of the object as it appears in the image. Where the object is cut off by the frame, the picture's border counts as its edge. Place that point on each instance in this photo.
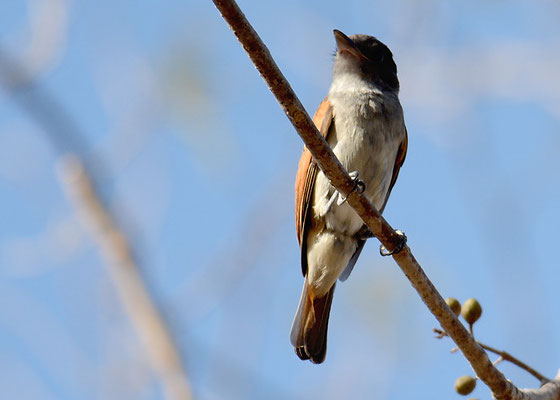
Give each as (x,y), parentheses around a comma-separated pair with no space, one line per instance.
(309,330)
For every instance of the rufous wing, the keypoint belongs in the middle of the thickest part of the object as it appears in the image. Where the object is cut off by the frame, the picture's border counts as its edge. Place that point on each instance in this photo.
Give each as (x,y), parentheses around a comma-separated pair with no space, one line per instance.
(305,179)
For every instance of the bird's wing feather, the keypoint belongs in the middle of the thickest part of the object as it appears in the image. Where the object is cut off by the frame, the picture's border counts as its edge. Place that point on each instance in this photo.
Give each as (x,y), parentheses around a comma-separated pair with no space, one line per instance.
(305,179)
(401,155)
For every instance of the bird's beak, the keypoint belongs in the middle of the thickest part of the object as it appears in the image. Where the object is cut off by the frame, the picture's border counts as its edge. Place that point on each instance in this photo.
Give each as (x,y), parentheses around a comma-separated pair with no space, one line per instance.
(346,45)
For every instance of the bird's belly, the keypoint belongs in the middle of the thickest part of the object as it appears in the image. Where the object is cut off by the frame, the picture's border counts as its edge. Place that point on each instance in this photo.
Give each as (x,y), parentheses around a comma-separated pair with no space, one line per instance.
(372,154)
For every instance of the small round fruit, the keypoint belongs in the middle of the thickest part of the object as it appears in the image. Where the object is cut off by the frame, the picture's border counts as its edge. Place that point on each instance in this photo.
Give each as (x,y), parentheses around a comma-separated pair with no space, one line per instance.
(454,304)
(471,311)
(465,385)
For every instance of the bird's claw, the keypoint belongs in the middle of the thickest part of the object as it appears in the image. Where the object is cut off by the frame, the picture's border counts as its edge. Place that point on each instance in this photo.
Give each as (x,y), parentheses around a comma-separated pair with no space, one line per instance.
(359,186)
(339,198)
(398,247)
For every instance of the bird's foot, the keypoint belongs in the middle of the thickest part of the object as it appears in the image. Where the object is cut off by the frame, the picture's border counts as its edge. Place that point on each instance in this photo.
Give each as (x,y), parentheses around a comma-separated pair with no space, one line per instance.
(339,198)
(359,186)
(398,247)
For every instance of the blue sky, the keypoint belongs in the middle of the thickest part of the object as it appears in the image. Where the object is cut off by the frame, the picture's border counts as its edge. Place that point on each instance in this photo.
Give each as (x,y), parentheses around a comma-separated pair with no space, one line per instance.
(196,161)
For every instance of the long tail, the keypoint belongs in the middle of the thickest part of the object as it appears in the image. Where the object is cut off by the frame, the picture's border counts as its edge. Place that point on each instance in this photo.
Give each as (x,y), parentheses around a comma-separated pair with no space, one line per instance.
(309,330)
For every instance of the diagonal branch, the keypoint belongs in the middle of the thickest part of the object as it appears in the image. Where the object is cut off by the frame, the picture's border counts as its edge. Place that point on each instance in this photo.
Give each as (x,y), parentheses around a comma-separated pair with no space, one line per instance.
(501,388)
(508,357)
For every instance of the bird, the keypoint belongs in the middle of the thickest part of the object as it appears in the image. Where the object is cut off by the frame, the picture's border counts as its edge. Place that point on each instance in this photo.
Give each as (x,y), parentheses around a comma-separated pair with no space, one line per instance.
(362,120)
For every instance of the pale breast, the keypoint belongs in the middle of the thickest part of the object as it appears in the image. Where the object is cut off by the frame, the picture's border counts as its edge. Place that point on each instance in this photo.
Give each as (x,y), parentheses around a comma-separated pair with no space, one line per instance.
(368,128)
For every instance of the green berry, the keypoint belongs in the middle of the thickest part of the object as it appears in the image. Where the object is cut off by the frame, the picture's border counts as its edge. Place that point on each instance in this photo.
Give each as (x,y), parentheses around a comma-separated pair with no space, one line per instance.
(454,304)
(471,311)
(465,385)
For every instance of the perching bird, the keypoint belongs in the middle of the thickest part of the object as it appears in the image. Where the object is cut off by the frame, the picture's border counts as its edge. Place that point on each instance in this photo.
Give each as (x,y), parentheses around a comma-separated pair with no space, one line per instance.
(362,120)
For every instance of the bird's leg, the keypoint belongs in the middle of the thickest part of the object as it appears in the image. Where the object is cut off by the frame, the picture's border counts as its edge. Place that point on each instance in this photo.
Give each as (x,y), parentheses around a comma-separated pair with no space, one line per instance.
(326,208)
(358,185)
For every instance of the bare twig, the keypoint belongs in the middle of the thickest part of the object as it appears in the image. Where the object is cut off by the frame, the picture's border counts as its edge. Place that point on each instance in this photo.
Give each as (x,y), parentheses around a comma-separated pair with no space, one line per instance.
(501,388)
(504,356)
(508,357)
(497,360)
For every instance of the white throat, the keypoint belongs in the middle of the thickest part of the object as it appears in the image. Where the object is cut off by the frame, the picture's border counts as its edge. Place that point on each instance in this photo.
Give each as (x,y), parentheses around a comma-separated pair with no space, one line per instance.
(351,83)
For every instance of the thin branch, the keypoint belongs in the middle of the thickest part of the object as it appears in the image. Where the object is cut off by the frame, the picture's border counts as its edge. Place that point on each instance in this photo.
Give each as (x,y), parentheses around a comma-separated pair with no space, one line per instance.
(501,388)
(497,360)
(504,356)
(508,357)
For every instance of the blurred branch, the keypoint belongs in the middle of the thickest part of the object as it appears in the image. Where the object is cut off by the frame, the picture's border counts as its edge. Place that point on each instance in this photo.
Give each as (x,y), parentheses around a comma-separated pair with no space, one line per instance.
(501,388)
(60,128)
(79,185)
(124,272)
